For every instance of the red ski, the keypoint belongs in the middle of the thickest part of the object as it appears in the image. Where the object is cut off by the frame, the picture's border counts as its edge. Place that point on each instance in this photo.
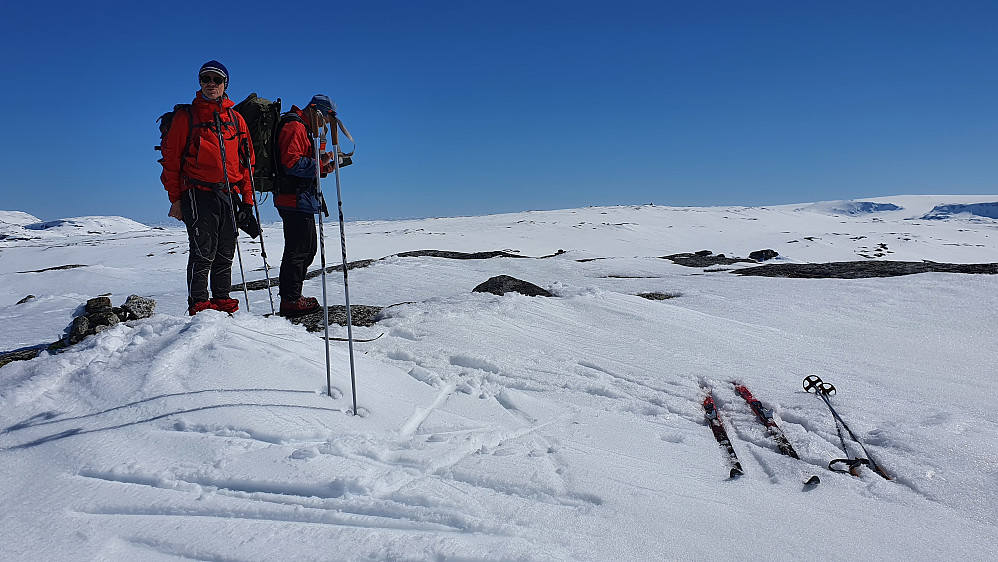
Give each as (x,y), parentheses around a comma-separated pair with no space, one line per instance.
(765,417)
(721,435)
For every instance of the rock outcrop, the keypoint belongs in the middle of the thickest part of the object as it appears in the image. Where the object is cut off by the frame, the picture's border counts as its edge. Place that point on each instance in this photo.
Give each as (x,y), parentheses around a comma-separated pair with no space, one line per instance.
(502,284)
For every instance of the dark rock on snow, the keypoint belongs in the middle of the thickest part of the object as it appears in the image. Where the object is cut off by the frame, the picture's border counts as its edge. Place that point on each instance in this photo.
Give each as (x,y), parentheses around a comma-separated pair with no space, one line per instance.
(763,255)
(98,304)
(360,315)
(989,210)
(703,258)
(138,307)
(503,284)
(864,269)
(99,315)
(458,255)
(79,329)
(659,296)
(25,299)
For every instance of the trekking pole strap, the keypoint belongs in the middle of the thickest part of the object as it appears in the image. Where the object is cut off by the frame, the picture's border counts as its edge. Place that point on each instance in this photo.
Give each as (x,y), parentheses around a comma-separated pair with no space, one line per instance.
(346,133)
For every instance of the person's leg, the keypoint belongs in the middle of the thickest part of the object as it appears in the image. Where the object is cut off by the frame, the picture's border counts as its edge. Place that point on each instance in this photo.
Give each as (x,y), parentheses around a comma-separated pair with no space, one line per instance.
(221,267)
(202,232)
(299,250)
(311,245)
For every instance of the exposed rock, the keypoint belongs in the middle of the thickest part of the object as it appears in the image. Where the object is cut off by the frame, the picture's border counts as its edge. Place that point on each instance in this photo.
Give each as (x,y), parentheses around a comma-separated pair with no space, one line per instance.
(262,283)
(104,318)
(864,269)
(98,315)
(989,210)
(331,268)
(659,296)
(360,315)
(458,255)
(20,355)
(763,255)
(56,268)
(79,329)
(25,299)
(98,304)
(703,258)
(138,307)
(503,284)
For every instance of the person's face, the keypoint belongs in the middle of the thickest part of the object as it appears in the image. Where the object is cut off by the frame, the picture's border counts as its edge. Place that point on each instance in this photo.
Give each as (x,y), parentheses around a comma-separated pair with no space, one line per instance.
(212,85)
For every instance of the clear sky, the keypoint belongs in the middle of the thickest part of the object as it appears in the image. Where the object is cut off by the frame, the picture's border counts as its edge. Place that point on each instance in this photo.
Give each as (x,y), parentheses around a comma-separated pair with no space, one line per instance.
(466,107)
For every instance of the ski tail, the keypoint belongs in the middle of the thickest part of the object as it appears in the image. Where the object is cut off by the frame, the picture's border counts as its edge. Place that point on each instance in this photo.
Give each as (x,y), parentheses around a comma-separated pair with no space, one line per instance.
(721,435)
(765,416)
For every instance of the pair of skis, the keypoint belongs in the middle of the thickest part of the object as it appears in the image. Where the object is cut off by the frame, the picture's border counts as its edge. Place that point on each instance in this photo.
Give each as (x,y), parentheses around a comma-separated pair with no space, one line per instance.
(814,385)
(763,415)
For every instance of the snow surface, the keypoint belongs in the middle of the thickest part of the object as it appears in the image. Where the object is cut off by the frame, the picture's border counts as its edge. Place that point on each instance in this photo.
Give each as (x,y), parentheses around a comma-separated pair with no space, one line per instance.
(512,427)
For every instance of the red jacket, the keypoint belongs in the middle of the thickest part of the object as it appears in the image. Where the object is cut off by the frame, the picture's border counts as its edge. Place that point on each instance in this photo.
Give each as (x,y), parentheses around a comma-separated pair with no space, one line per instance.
(297,152)
(202,162)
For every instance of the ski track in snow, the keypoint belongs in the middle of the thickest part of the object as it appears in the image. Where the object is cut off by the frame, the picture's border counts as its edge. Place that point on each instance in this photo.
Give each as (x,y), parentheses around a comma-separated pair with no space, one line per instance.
(516,427)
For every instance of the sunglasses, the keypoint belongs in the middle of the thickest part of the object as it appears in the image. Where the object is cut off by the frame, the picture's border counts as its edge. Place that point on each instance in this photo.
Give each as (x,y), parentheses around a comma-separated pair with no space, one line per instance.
(207,79)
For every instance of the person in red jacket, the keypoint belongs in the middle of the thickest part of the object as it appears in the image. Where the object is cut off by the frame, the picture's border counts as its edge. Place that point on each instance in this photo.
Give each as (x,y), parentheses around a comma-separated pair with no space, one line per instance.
(297,198)
(195,179)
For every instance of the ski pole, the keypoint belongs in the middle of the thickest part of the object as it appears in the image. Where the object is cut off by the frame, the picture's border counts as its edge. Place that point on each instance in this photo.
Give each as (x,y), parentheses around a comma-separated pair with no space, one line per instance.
(343,246)
(322,254)
(232,206)
(263,249)
(814,384)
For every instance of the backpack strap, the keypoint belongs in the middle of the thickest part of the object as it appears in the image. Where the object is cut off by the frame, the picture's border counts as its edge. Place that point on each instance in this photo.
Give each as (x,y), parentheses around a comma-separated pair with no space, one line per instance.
(242,143)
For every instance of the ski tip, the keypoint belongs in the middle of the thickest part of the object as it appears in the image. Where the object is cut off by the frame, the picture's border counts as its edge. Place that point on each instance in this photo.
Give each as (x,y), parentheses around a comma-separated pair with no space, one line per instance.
(812,481)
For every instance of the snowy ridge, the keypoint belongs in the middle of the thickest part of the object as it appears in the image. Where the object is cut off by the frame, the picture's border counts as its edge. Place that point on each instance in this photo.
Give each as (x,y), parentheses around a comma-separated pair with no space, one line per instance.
(511,427)
(989,210)
(852,208)
(15,226)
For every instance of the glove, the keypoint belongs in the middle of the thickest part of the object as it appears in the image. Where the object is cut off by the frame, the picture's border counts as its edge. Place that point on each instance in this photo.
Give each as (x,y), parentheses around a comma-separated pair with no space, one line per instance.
(246,221)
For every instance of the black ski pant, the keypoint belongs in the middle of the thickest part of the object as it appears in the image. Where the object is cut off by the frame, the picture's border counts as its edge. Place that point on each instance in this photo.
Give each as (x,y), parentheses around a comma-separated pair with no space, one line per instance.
(213,243)
(300,245)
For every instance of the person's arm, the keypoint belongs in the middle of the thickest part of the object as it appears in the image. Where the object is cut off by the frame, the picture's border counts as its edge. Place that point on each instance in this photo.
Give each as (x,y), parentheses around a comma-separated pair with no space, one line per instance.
(295,147)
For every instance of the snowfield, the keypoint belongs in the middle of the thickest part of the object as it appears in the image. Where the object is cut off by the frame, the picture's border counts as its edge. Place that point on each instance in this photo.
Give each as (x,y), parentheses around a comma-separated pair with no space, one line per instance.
(510,427)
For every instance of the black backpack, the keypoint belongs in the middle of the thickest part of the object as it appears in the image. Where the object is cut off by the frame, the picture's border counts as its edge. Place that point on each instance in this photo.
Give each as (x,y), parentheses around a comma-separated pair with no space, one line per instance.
(166,121)
(261,116)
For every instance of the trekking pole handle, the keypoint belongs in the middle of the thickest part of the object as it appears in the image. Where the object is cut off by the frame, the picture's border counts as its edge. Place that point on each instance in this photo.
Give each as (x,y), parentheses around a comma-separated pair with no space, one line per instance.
(814,385)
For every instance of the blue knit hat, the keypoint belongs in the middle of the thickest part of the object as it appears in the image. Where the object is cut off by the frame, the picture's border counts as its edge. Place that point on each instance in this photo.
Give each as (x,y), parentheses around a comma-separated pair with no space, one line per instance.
(216,67)
(322,104)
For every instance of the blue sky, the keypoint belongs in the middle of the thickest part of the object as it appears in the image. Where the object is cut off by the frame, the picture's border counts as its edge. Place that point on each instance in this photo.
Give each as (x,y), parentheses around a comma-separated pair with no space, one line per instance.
(474,107)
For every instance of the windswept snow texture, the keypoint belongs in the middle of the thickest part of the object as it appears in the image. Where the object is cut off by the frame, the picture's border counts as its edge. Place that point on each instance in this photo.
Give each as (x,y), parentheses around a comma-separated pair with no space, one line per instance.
(510,427)
(989,210)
